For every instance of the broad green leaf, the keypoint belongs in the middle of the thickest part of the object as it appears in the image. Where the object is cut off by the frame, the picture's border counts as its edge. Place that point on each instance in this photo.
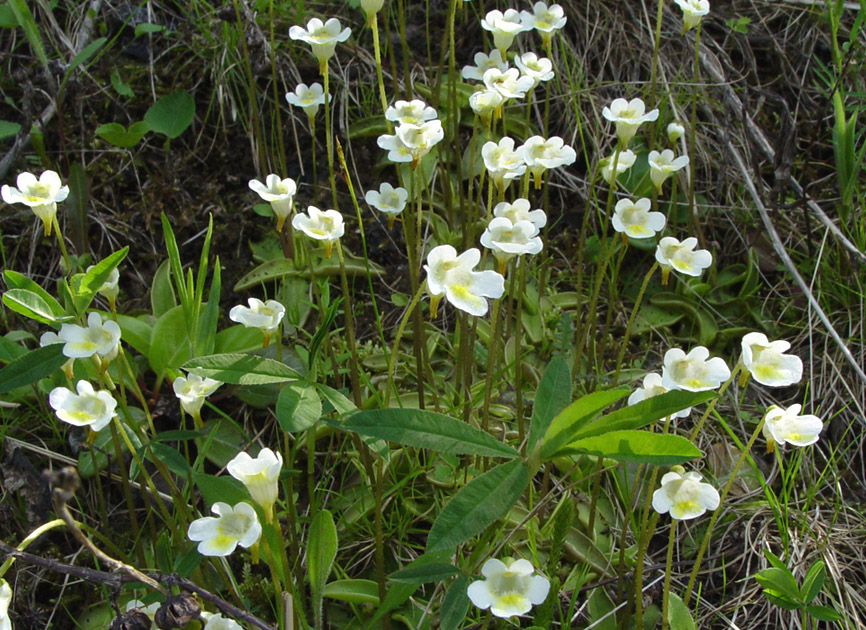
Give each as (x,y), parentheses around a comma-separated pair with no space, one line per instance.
(342,405)
(478,504)
(118,135)
(353,591)
(222,442)
(25,20)
(10,350)
(779,580)
(679,617)
(171,114)
(551,397)
(455,605)
(823,613)
(15,280)
(574,417)
(135,332)
(399,593)
(222,488)
(169,342)
(321,551)
(241,369)
(282,267)
(8,129)
(434,572)
(170,457)
(119,86)
(85,285)
(427,429)
(238,339)
(32,305)
(813,582)
(635,446)
(298,407)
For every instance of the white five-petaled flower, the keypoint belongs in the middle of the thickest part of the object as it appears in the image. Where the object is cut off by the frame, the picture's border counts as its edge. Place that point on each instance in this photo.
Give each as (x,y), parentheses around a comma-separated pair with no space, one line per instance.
(41,195)
(624,161)
(652,386)
(483,63)
(324,226)
(322,38)
(767,362)
(280,193)
(628,116)
(218,622)
(663,165)
(682,257)
(415,112)
(260,475)
(507,239)
(308,98)
(485,102)
(87,408)
(675,131)
(232,526)
(693,372)
(509,83)
(508,590)
(684,495)
(192,390)
(372,7)
(109,289)
(504,27)
(264,315)
(519,210)
(503,162)
(546,20)
(410,142)
(634,219)
(693,12)
(5,600)
(787,425)
(102,338)
(538,68)
(389,200)
(540,154)
(452,276)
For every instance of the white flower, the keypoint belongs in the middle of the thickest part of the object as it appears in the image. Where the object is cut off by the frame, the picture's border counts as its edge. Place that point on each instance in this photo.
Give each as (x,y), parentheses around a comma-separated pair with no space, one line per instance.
(635,219)
(102,338)
(324,226)
(50,338)
(260,476)
(518,210)
(389,200)
(787,425)
(624,161)
(452,276)
(537,68)
(5,600)
(485,102)
(544,19)
(693,12)
(507,239)
(218,622)
(87,408)
(663,165)
(41,195)
(628,116)
(503,162)
(410,143)
(109,289)
(540,154)
(220,535)
(264,315)
(371,7)
(682,257)
(508,590)
(693,372)
(322,38)
(767,362)
(308,98)
(483,63)
(675,131)
(280,193)
(504,27)
(652,386)
(192,391)
(397,151)
(508,83)
(415,112)
(684,495)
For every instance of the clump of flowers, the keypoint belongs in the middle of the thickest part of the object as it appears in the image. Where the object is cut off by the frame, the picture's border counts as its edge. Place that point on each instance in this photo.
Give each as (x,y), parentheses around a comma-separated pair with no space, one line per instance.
(389,200)
(326,226)
(280,193)
(682,257)
(232,526)
(684,495)
(634,219)
(508,590)
(86,408)
(40,195)
(454,277)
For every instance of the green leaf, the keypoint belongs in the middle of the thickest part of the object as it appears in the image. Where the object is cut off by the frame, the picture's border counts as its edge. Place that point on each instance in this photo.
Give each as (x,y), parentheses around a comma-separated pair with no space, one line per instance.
(223,442)
(573,418)
(780,581)
(170,457)
(77,205)
(146,28)
(427,429)
(321,551)
(210,316)
(551,397)
(15,280)
(224,488)
(171,114)
(823,613)
(353,591)
(8,129)
(399,593)
(119,86)
(283,267)
(813,582)
(434,572)
(679,617)
(25,19)
(136,333)
(478,504)
(241,369)
(169,342)
(32,305)
(118,135)
(298,407)
(86,53)
(455,605)
(85,286)
(635,446)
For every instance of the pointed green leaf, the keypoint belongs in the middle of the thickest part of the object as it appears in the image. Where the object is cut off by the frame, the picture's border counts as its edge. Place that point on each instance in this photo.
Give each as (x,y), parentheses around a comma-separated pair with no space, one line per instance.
(455,605)
(551,397)
(679,617)
(321,551)
(85,285)
(573,418)
(635,446)
(353,591)
(813,582)
(31,305)
(434,572)
(241,369)
(298,407)
(32,366)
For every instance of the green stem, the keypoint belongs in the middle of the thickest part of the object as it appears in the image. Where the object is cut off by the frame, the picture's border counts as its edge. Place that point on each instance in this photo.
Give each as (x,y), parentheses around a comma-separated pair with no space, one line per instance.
(692,130)
(280,144)
(373,23)
(36,533)
(410,308)
(62,245)
(492,364)
(668,562)
(634,311)
(350,328)
(323,68)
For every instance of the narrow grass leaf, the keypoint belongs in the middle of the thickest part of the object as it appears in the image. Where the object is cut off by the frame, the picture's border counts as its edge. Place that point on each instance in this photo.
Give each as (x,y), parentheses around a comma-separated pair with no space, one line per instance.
(435,572)
(455,605)
(241,369)
(478,504)
(640,447)
(31,31)
(210,315)
(353,591)
(573,418)
(551,397)
(77,204)
(427,429)
(321,551)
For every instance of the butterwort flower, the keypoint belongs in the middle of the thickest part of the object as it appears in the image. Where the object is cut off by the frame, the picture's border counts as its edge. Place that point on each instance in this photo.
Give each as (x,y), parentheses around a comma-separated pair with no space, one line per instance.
(485,102)
(507,240)
(192,391)
(97,338)
(109,289)
(415,112)
(389,200)
(232,526)
(628,116)
(624,161)
(693,372)
(544,19)
(326,226)
(454,277)
(693,12)
(509,83)
(260,475)
(280,193)
(788,426)
(504,27)
(767,362)
(634,219)
(652,386)
(218,622)
(675,131)
(5,600)
(86,408)
(503,162)
(508,590)
(682,257)
(322,38)
(684,495)
(663,165)
(540,154)
(40,195)
(483,63)
(539,69)
(308,98)
(519,210)
(263,315)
